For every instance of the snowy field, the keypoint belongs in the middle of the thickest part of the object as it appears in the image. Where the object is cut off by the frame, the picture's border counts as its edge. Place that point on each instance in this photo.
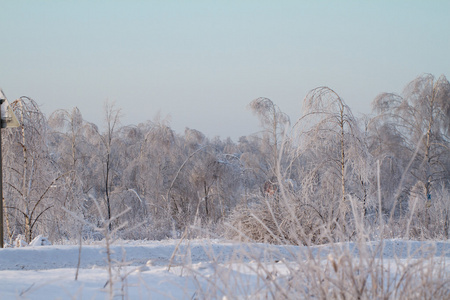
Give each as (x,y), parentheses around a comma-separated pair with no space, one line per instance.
(200,268)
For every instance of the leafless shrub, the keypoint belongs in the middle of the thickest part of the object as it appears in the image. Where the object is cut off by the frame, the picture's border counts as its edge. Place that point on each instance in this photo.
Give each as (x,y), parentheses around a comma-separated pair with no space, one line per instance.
(270,221)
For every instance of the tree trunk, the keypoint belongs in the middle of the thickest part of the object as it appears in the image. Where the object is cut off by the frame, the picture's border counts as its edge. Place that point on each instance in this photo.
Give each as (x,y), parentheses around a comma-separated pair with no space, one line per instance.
(343,204)
(206,199)
(28,229)
(8,225)
(108,204)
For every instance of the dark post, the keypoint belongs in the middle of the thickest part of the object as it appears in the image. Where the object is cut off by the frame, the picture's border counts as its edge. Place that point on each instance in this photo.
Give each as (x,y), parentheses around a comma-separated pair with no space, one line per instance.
(1,181)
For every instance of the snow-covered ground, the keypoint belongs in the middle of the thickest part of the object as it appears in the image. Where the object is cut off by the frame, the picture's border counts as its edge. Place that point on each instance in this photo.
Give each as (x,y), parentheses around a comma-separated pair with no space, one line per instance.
(151,270)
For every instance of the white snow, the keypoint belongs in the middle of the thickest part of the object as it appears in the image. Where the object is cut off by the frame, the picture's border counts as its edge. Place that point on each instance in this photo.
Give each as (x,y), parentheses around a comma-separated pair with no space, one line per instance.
(141,268)
(40,241)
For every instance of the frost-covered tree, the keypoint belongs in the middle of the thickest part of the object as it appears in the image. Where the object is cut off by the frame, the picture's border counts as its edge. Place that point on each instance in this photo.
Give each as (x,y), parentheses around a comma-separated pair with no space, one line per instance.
(274,123)
(329,143)
(420,120)
(112,121)
(411,140)
(75,145)
(31,175)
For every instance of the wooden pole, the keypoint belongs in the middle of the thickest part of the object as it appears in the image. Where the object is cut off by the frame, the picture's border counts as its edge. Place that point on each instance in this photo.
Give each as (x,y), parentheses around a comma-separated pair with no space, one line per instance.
(1,182)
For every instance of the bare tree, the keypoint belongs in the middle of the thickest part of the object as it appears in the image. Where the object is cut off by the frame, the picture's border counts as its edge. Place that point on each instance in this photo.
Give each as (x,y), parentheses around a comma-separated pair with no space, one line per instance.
(106,145)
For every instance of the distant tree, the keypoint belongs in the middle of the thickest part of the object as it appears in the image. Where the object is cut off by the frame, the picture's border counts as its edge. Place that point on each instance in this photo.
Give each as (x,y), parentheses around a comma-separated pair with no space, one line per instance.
(182,197)
(389,147)
(71,152)
(255,167)
(420,118)
(107,153)
(274,123)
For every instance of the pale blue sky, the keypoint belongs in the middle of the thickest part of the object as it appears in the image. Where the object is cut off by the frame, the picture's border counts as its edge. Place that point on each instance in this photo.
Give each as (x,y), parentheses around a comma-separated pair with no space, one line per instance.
(202,62)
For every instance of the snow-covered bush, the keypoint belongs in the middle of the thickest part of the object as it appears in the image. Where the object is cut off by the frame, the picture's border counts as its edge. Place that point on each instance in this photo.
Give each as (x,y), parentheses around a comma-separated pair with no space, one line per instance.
(40,241)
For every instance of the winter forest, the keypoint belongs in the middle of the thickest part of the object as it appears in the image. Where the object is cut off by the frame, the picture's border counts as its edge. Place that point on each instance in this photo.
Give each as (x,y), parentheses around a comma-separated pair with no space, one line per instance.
(305,181)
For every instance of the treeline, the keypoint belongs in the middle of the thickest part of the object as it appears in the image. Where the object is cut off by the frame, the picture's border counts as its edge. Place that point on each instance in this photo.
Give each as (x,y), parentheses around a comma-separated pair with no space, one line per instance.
(312,180)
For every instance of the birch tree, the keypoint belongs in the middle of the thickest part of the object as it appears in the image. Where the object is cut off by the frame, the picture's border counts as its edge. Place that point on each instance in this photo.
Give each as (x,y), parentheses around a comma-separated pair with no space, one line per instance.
(274,123)
(72,153)
(328,134)
(112,119)
(31,176)
(421,118)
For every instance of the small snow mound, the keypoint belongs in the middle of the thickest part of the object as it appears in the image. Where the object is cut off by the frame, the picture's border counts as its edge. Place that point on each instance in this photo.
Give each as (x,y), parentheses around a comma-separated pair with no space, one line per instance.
(40,241)
(19,242)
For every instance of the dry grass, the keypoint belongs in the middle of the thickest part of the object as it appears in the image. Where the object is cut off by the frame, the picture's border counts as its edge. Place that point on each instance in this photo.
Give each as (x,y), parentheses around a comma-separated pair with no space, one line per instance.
(357,269)
(335,271)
